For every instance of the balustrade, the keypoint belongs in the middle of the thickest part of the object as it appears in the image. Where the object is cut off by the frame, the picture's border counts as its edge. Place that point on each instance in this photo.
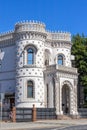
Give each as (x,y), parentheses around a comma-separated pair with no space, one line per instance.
(61,68)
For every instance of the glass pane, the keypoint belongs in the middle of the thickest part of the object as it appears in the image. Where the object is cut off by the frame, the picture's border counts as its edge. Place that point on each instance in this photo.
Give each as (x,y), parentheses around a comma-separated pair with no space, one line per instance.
(30,91)
(30,58)
(60,60)
(30,83)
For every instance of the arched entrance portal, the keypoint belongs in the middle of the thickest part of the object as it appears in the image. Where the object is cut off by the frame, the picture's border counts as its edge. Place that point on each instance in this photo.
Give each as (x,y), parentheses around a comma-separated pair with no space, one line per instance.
(65,99)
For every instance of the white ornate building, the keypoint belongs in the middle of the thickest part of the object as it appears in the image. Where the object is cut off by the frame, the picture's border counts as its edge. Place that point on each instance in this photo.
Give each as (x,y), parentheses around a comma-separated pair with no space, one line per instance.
(35,68)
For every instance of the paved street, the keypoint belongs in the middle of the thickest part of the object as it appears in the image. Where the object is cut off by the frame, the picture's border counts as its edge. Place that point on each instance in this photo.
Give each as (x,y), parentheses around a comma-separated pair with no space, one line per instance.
(77,124)
(80,127)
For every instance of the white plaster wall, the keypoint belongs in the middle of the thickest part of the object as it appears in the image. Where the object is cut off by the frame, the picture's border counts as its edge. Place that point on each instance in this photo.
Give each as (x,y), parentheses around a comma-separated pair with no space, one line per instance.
(49,81)
(66,52)
(51,94)
(59,50)
(51,55)
(26,72)
(39,59)
(31,71)
(21,92)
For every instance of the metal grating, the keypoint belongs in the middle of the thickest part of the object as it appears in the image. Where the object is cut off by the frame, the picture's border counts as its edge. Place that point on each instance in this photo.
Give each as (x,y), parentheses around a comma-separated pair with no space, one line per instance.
(23,114)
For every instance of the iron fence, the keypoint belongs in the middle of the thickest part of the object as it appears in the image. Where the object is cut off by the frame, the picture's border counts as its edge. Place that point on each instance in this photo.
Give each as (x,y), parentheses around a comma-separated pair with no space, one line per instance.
(23,114)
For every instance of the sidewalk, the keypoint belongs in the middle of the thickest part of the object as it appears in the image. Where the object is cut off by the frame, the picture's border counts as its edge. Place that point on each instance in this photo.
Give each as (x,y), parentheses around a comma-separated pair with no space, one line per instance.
(42,124)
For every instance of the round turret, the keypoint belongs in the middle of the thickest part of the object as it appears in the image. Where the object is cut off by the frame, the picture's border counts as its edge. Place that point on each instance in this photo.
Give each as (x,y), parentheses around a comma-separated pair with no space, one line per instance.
(30,40)
(30,26)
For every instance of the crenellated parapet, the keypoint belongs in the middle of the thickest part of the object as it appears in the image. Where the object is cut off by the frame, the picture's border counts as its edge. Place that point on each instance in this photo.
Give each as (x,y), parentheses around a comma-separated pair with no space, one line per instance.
(59,36)
(30,30)
(35,30)
(30,26)
(7,39)
(6,36)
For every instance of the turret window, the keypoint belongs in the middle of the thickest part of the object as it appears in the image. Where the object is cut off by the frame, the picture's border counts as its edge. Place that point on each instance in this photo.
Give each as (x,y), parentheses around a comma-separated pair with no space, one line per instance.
(30,56)
(60,60)
(30,87)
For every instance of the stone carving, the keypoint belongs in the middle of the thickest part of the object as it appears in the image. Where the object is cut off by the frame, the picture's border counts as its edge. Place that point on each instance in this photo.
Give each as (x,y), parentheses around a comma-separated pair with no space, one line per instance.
(68,84)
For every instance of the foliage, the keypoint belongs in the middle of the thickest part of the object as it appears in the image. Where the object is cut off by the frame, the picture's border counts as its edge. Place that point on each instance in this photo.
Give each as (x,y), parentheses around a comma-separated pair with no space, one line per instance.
(79,49)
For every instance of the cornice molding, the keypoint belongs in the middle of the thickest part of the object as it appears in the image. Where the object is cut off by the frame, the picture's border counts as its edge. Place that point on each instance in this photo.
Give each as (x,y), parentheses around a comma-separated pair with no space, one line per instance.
(63,69)
(58,75)
(30,36)
(67,75)
(59,44)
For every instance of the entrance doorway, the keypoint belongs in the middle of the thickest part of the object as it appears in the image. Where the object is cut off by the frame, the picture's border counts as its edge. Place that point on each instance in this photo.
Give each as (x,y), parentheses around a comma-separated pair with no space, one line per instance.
(9,100)
(65,99)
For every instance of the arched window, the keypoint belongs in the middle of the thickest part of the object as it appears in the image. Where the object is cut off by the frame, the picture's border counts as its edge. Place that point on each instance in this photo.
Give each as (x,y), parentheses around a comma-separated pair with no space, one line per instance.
(60,60)
(30,87)
(30,56)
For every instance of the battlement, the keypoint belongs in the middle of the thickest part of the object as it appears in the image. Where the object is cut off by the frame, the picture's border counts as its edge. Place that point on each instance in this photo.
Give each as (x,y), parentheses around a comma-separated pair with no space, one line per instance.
(34,26)
(30,26)
(6,35)
(63,36)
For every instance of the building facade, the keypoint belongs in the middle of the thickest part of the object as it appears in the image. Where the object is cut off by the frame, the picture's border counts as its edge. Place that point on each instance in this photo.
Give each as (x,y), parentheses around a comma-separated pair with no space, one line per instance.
(36,68)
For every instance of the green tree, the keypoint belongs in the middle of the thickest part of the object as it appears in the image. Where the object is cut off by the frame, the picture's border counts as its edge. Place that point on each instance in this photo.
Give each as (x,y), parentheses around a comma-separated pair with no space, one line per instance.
(79,49)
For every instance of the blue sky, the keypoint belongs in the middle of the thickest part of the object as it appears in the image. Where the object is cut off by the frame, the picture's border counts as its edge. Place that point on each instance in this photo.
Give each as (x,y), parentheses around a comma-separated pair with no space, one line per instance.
(65,15)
